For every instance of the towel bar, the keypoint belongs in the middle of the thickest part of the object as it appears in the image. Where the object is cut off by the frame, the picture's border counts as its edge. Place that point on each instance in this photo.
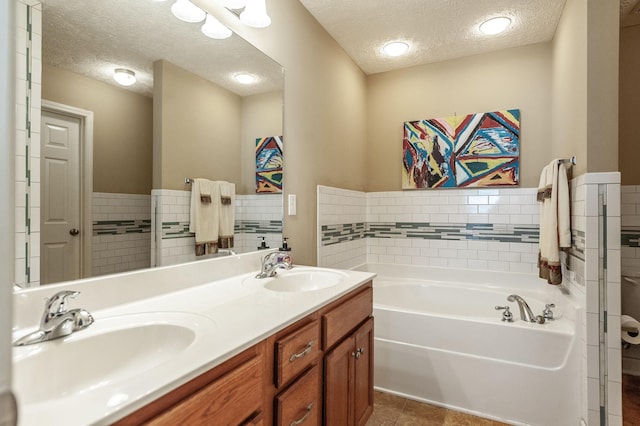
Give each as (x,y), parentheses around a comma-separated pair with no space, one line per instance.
(571,160)
(188,181)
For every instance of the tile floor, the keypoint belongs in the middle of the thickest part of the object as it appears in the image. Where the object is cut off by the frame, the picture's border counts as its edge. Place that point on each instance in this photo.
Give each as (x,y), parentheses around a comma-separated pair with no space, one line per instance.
(391,410)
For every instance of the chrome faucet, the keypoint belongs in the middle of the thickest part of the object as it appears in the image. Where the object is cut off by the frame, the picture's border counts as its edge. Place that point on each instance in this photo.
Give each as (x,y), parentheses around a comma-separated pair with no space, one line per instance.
(525,311)
(273,261)
(57,321)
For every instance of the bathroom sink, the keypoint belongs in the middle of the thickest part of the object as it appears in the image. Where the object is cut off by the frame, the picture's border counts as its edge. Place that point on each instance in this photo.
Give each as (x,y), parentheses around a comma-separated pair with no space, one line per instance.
(112,350)
(304,279)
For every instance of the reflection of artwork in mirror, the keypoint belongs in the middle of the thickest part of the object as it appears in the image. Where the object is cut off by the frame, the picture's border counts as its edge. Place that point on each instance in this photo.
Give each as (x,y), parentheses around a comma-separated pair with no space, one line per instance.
(269,164)
(470,150)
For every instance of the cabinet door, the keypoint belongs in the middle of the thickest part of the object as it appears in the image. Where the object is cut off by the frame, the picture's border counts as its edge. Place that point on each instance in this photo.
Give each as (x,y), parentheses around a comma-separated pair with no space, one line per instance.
(338,370)
(363,368)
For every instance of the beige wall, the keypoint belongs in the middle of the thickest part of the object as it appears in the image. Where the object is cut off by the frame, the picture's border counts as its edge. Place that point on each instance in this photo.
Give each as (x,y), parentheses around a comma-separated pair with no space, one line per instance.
(261,117)
(324,114)
(196,129)
(512,78)
(585,85)
(122,132)
(629,148)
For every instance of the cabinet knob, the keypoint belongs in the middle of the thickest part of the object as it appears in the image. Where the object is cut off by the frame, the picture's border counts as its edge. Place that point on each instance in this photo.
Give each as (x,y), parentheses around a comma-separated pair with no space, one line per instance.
(74,231)
(358,353)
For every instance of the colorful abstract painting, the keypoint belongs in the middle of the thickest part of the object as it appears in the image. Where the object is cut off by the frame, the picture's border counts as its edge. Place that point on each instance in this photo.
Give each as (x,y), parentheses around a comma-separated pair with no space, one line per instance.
(462,151)
(269,164)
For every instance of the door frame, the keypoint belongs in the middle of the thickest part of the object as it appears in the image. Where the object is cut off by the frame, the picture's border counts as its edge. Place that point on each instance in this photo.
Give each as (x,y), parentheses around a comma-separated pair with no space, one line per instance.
(86,178)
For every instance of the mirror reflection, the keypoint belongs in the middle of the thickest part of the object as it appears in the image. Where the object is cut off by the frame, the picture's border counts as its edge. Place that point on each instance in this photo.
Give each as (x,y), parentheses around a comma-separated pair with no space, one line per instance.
(114,159)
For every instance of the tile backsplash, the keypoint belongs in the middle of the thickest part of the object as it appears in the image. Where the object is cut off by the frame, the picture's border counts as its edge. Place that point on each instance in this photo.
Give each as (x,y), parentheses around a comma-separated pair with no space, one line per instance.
(630,226)
(492,229)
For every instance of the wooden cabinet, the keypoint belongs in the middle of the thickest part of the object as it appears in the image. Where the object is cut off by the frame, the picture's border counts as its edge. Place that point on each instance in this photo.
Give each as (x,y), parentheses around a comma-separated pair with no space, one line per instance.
(348,389)
(315,371)
(229,394)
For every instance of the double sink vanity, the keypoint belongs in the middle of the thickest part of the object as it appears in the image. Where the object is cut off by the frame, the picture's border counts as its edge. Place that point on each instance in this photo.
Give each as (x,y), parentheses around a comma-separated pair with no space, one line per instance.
(202,343)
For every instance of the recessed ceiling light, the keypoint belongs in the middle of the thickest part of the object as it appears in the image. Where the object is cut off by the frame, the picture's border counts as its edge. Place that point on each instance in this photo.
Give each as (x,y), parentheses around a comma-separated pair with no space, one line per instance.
(243,78)
(124,76)
(495,25)
(396,48)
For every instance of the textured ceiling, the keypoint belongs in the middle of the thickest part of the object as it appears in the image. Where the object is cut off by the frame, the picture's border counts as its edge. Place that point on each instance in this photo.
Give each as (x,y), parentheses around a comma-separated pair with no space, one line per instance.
(92,37)
(437,29)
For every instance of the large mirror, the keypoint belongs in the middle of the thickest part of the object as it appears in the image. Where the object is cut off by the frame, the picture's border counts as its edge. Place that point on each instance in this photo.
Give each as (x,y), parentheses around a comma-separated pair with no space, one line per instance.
(185,117)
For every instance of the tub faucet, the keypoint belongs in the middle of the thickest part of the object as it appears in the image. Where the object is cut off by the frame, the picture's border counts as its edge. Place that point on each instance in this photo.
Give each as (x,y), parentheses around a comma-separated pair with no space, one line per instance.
(273,261)
(57,321)
(525,311)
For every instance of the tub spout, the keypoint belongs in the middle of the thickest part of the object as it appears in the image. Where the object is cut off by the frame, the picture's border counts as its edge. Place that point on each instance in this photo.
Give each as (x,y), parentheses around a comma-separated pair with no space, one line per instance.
(525,311)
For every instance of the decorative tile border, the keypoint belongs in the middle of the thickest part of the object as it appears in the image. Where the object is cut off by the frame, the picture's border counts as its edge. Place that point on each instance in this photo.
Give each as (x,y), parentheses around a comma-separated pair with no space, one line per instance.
(172,230)
(115,227)
(630,236)
(335,234)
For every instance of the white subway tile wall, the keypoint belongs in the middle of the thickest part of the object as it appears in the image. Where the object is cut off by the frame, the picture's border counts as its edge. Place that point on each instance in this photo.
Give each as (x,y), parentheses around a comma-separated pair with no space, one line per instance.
(121,232)
(490,229)
(256,216)
(27,142)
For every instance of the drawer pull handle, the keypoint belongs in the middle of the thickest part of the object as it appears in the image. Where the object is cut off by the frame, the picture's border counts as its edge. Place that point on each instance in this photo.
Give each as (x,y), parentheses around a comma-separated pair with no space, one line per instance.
(303,353)
(303,418)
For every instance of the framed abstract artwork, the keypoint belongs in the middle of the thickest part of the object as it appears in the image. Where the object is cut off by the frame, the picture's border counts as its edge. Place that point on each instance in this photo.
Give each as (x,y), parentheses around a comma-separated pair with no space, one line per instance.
(474,150)
(269,164)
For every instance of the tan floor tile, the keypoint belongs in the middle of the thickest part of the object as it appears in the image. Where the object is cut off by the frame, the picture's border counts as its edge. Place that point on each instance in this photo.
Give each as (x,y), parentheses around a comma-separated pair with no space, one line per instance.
(427,411)
(406,419)
(388,400)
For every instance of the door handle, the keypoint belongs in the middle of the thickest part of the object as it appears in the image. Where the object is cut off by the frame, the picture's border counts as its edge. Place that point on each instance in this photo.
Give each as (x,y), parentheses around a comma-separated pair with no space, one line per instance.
(74,231)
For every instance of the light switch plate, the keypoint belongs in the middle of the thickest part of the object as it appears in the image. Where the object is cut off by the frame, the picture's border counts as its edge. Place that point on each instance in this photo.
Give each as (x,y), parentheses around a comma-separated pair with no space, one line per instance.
(292,204)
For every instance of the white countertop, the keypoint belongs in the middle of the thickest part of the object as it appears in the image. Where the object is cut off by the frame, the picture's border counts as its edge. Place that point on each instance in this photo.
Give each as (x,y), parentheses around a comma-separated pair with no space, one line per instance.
(236,313)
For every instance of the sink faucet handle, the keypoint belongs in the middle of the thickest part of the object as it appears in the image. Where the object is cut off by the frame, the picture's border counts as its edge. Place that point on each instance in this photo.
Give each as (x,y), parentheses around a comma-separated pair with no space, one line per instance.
(57,304)
(548,313)
(506,315)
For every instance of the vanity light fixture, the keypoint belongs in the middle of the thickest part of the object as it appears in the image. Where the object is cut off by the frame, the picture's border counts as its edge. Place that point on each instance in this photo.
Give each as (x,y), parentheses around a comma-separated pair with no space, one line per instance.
(255,14)
(187,11)
(124,76)
(395,48)
(495,25)
(244,78)
(214,29)
(234,4)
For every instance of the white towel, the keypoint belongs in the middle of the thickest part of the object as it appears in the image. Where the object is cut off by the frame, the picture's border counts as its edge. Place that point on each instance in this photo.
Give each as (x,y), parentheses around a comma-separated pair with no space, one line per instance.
(227,213)
(205,216)
(555,225)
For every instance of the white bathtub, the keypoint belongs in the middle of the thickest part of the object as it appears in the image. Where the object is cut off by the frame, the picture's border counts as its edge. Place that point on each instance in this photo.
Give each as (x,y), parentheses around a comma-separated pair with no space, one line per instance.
(441,341)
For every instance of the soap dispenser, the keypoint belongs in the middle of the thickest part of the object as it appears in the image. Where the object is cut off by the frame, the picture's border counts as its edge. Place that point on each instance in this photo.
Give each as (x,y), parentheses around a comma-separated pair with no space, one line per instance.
(263,245)
(286,250)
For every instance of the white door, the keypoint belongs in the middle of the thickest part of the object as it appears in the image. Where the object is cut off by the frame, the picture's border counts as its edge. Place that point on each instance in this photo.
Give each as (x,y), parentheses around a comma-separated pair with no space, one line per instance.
(60,198)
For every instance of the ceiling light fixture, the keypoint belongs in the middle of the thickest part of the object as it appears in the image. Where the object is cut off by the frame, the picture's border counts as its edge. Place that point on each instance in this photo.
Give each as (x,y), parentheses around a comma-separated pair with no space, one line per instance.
(396,48)
(124,76)
(187,11)
(214,28)
(495,25)
(243,78)
(255,14)
(234,4)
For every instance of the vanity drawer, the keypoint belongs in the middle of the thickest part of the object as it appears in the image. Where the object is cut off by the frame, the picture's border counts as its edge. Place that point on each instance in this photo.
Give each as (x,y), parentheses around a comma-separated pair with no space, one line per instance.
(341,319)
(296,351)
(300,404)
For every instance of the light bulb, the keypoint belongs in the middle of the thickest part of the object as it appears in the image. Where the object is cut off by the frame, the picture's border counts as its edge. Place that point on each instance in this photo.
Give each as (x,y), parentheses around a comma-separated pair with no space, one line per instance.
(187,11)
(395,48)
(243,78)
(255,14)
(214,29)
(495,25)
(124,76)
